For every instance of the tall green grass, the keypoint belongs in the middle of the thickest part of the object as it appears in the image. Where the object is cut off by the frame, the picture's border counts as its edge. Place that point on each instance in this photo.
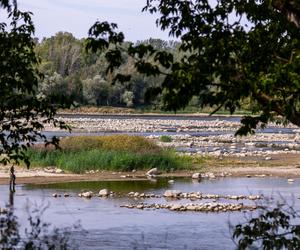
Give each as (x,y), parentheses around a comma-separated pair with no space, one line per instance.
(118,153)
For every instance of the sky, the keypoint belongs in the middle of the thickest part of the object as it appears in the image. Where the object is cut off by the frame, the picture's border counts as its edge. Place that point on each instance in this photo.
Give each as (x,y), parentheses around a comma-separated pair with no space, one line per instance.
(77,16)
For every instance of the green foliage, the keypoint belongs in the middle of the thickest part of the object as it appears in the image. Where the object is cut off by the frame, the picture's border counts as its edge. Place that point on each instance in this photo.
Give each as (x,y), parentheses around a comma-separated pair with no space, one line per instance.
(272,229)
(95,159)
(39,235)
(23,113)
(117,152)
(119,143)
(165,138)
(80,75)
(231,52)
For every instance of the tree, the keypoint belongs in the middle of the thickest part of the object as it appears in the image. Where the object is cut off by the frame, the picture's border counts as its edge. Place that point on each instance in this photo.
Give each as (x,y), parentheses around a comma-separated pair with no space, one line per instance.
(232,51)
(96,91)
(23,113)
(62,53)
(127,98)
(272,228)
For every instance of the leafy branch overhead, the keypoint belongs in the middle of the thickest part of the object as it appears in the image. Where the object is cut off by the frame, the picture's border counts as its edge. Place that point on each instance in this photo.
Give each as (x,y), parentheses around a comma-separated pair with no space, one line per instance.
(23,113)
(231,51)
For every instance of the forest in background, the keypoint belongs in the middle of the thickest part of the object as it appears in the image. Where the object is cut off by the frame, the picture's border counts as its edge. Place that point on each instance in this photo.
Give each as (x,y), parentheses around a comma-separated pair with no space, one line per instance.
(72,72)
(80,76)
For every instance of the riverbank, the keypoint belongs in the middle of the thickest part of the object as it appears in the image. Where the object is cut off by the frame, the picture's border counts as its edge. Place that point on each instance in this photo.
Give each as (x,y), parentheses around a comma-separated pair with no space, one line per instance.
(284,166)
(198,135)
(108,110)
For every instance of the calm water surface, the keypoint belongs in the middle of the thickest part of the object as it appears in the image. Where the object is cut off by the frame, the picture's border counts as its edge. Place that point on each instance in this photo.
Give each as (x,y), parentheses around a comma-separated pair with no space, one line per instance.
(110,227)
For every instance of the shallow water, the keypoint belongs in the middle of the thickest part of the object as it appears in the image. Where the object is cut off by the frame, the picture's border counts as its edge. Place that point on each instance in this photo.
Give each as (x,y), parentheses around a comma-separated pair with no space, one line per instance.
(110,227)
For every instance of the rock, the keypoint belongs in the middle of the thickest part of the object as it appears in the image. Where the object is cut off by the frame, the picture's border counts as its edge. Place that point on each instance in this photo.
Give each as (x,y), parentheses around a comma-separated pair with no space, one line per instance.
(268,158)
(87,194)
(141,206)
(153,172)
(176,207)
(172,193)
(211,175)
(171,181)
(49,170)
(196,176)
(104,192)
(3,211)
(59,171)
(191,208)
(254,197)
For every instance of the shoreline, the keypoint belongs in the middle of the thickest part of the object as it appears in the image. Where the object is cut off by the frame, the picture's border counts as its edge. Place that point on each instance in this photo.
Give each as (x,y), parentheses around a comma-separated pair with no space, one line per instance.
(280,167)
(150,114)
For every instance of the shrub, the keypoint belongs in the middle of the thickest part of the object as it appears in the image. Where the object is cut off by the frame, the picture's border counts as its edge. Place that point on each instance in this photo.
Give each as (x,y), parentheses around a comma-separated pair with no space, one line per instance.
(123,143)
(165,138)
(117,152)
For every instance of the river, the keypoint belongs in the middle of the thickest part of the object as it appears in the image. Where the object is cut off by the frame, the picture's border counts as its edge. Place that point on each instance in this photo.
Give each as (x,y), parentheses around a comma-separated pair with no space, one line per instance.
(108,226)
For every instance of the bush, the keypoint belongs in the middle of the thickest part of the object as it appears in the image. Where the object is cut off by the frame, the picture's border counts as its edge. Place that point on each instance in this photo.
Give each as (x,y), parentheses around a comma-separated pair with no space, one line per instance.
(117,152)
(273,228)
(165,138)
(123,143)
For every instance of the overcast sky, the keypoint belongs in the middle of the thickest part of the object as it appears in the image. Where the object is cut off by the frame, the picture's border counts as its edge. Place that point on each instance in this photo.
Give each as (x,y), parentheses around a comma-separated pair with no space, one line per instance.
(77,16)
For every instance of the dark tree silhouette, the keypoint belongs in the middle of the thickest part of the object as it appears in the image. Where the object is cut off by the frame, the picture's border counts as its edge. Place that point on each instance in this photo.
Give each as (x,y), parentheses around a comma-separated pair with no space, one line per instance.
(22,112)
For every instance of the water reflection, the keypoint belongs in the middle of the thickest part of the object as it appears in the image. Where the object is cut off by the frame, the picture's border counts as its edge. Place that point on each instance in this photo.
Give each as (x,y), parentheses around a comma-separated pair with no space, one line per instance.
(112,227)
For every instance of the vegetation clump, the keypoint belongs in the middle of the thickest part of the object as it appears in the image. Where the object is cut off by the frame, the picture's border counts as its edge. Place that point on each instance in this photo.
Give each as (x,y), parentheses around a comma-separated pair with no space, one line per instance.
(165,138)
(115,152)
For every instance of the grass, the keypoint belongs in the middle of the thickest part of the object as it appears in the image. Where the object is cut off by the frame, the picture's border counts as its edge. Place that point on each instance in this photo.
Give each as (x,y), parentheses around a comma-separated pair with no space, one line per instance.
(116,152)
(165,138)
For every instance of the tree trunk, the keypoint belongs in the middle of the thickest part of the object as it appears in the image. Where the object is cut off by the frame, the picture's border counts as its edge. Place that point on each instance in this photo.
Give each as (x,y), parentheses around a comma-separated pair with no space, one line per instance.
(289,8)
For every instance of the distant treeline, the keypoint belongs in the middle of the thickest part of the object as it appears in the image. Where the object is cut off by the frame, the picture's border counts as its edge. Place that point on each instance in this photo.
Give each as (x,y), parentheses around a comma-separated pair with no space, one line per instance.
(72,72)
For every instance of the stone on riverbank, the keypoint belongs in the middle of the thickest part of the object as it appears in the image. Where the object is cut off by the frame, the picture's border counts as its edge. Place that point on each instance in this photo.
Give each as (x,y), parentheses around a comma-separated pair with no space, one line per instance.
(59,171)
(172,193)
(153,172)
(104,192)
(88,194)
(196,176)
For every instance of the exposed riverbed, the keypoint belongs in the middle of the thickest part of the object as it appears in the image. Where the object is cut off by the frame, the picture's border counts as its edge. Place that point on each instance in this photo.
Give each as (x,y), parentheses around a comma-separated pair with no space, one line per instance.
(198,135)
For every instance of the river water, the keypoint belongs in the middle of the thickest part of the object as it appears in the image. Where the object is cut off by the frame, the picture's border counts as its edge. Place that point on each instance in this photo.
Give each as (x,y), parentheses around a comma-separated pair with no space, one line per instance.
(108,226)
